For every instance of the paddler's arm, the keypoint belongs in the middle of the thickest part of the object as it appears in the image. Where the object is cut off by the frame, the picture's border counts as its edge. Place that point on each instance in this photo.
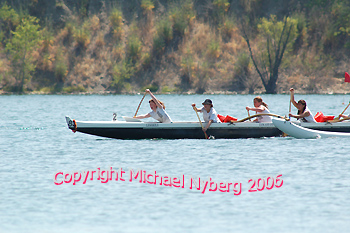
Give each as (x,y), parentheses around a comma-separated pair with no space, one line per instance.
(292,97)
(304,114)
(154,98)
(208,125)
(195,108)
(142,116)
(254,109)
(257,110)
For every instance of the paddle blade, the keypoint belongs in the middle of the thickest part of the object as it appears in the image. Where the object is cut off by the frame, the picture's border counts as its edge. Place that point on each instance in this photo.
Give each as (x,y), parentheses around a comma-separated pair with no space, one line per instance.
(347,77)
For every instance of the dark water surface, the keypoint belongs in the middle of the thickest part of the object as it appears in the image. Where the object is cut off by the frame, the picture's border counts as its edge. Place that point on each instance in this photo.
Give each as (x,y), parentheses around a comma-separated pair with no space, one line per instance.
(35,144)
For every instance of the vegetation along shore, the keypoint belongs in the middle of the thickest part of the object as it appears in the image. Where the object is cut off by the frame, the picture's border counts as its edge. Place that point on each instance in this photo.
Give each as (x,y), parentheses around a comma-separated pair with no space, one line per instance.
(174,46)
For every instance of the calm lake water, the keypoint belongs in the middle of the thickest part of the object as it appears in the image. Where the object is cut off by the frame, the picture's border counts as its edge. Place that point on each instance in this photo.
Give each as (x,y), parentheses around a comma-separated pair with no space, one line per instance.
(35,144)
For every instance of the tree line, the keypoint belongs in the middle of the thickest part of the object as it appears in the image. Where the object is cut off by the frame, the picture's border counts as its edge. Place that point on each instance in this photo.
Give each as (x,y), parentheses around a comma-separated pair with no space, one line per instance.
(172,46)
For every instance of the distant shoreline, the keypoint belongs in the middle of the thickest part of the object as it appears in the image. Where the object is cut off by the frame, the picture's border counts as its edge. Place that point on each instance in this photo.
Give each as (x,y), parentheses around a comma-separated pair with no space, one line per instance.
(173,93)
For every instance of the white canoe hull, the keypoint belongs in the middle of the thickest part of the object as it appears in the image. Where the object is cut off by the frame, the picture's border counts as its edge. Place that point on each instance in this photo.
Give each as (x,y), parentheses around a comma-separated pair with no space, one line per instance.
(297,131)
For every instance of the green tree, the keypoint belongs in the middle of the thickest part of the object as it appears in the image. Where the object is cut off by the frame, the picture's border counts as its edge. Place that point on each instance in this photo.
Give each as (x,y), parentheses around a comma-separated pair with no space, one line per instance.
(182,16)
(121,73)
(221,7)
(26,39)
(9,19)
(277,38)
(133,49)
(341,25)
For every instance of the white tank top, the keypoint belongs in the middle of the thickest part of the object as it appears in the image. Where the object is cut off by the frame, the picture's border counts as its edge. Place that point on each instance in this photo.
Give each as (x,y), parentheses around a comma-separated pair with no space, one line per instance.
(160,115)
(309,118)
(211,115)
(264,119)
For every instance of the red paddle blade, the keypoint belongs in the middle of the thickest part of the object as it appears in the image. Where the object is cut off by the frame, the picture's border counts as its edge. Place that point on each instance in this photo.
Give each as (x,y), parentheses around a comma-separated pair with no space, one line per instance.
(347,77)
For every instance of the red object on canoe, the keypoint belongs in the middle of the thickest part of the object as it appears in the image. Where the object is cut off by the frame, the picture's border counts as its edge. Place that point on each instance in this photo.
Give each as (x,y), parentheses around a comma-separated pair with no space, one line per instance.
(319,117)
(229,118)
(221,118)
(347,77)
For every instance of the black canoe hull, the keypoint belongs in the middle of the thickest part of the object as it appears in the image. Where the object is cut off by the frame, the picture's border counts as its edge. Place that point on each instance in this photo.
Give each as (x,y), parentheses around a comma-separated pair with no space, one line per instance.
(140,133)
(189,130)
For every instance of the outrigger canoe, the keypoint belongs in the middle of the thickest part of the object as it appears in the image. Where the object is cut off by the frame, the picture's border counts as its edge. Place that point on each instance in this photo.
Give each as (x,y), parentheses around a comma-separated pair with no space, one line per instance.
(189,130)
(300,132)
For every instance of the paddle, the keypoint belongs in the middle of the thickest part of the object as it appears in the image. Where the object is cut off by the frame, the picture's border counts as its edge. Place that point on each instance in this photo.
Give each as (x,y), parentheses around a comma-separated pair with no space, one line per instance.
(140,104)
(291,99)
(290,107)
(205,134)
(290,111)
(249,115)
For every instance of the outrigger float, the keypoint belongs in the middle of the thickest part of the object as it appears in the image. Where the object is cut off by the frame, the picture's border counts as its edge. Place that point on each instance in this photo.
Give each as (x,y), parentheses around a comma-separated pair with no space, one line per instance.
(300,132)
(135,129)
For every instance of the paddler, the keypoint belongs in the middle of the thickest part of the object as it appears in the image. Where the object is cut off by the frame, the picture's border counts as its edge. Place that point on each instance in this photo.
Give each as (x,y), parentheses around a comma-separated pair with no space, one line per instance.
(304,113)
(158,110)
(209,114)
(260,107)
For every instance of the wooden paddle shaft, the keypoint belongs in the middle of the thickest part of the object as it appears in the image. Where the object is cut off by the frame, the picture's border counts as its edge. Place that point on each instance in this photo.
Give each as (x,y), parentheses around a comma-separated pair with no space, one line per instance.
(140,104)
(290,104)
(345,109)
(205,134)
(249,115)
